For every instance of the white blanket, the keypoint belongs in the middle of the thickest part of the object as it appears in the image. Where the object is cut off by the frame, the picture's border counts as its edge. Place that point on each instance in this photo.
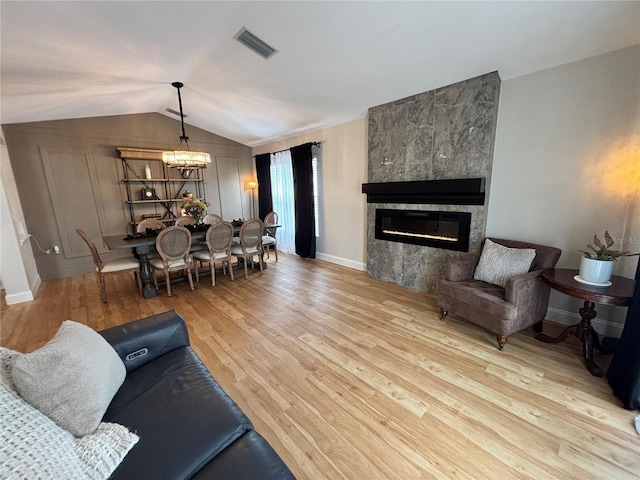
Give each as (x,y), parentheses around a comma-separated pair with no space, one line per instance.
(33,447)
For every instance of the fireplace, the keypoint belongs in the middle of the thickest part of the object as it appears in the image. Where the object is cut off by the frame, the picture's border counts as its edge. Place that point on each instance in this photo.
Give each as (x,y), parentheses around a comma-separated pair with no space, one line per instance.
(438,229)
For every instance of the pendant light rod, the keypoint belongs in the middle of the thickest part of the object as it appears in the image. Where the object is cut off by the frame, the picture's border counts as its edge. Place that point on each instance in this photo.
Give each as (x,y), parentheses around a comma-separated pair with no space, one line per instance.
(179,85)
(184,160)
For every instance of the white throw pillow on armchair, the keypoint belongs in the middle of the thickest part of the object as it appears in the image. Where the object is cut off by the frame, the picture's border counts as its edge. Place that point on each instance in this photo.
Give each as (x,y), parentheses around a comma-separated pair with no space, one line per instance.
(499,263)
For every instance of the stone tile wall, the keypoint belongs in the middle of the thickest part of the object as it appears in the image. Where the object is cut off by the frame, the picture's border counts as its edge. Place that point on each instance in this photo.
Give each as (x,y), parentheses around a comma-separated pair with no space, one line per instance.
(444,133)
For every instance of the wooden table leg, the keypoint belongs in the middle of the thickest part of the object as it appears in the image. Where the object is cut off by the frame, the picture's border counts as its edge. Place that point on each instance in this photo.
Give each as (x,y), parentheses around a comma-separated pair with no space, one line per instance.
(146,275)
(589,338)
(566,333)
(585,332)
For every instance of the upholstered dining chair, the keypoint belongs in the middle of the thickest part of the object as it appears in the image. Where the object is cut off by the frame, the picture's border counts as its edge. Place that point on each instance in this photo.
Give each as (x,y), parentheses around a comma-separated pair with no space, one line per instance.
(250,243)
(149,224)
(269,240)
(502,289)
(211,218)
(103,269)
(185,220)
(173,244)
(219,238)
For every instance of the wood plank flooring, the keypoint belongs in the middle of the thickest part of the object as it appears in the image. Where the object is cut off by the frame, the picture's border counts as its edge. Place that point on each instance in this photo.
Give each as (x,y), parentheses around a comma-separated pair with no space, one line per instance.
(353,378)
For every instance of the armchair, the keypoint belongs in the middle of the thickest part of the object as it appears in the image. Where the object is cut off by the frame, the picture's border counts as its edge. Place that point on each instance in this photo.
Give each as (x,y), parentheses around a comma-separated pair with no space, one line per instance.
(523,300)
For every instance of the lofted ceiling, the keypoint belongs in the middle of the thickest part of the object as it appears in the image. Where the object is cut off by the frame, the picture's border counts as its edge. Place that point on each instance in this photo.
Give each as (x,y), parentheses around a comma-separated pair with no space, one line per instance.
(63,60)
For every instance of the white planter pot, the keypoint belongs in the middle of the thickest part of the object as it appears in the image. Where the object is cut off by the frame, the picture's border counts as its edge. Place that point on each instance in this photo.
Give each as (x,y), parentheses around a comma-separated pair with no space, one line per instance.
(597,271)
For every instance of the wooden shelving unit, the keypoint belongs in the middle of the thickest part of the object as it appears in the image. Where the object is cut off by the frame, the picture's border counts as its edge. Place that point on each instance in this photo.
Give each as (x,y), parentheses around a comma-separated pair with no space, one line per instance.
(168,188)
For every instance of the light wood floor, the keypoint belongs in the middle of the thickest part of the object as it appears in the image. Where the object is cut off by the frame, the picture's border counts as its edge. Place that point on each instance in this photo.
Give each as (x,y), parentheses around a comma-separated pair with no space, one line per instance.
(354,378)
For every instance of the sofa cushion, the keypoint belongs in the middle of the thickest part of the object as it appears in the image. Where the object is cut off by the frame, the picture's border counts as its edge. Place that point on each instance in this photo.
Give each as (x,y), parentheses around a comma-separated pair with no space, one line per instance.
(182,416)
(33,446)
(72,378)
(248,458)
(499,263)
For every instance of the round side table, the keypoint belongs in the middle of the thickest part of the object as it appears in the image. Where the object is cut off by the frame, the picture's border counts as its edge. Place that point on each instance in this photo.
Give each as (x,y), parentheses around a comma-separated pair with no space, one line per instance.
(620,292)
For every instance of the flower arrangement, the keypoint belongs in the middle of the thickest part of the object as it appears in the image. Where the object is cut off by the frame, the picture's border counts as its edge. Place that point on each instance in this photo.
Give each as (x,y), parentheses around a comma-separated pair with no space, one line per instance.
(196,208)
(602,250)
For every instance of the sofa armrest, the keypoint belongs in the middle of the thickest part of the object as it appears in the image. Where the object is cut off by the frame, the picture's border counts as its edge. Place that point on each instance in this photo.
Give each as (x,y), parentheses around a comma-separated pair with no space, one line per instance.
(141,341)
(461,268)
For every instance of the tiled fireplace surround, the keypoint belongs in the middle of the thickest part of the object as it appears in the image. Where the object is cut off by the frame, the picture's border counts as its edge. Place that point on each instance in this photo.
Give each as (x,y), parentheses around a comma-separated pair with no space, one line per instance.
(446,133)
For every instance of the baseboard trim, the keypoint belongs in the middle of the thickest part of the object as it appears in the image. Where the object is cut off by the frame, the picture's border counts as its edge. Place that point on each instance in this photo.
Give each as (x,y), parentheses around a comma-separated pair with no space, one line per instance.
(603,327)
(345,262)
(19,297)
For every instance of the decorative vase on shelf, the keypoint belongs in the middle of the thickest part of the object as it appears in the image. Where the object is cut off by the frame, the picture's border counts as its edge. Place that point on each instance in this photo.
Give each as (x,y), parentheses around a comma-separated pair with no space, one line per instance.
(595,270)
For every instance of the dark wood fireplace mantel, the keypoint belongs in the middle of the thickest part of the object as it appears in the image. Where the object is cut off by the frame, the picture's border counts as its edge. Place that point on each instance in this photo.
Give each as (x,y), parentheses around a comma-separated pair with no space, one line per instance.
(462,191)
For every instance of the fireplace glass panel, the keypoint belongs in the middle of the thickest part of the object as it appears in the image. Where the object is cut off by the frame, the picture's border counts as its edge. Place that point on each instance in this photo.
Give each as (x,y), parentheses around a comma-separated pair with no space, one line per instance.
(439,229)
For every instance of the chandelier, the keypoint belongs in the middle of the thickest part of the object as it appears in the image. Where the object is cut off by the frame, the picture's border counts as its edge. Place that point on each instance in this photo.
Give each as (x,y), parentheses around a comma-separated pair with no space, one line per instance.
(184,160)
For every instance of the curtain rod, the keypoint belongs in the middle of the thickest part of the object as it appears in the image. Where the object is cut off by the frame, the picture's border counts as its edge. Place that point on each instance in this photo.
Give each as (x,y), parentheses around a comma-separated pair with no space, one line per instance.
(315,144)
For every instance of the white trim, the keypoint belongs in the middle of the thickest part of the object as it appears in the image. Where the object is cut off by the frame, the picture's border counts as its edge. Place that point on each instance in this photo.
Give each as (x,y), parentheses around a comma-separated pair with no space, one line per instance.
(35,286)
(345,262)
(603,327)
(19,297)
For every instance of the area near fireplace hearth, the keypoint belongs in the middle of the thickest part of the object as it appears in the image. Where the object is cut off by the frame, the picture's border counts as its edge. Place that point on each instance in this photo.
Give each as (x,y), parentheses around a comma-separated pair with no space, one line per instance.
(443,134)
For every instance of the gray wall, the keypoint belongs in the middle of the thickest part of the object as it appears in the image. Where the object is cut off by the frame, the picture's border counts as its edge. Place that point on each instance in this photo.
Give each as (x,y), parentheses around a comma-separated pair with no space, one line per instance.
(441,134)
(93,142)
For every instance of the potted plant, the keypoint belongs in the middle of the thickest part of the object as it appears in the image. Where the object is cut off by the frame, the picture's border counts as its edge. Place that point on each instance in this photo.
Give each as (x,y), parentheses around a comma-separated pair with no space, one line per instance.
(596,264)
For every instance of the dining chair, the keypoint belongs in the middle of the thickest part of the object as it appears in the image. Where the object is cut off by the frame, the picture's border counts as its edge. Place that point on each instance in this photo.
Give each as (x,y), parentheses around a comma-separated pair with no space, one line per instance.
(104,269)
(269,240)
(185,220)
(219,238)
(212,218)
(250,243)
(149,224)
(173,244)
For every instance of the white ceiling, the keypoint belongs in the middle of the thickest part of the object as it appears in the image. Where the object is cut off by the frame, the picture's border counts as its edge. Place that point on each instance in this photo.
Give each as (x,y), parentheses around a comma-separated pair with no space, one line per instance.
(336,59)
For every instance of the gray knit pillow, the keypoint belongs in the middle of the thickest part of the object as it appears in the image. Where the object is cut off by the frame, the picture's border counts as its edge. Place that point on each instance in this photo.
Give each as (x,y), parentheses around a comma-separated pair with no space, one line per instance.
(72,379)
(499,263)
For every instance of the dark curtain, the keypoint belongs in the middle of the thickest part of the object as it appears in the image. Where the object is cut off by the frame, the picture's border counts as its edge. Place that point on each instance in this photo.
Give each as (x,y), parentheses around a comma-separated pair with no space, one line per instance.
(263,174)
(301,160)
(624,371)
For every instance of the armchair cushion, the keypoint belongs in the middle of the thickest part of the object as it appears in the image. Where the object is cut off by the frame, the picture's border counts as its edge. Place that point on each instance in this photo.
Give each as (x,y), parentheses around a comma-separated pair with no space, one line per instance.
(499,263)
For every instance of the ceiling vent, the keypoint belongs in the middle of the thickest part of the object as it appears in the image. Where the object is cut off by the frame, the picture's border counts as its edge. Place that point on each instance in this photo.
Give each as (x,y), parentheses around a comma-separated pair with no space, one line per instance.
(259,46)
(175,112)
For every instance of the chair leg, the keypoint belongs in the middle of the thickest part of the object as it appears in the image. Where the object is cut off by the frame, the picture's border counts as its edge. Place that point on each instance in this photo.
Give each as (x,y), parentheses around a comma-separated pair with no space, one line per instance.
(168,279)
(213,273)
(260,263)
(267,250)
(230,267)
(195,267)
(502,339)
(103,288)
(443,313)
(246,273)
(275,250)
(190,278)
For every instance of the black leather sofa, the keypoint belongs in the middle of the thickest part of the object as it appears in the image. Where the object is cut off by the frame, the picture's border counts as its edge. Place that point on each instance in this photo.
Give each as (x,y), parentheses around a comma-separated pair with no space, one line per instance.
(188,426)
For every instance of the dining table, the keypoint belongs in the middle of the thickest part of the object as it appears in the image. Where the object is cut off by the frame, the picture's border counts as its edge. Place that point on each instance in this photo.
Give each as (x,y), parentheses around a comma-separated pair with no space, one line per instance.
(143,245)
